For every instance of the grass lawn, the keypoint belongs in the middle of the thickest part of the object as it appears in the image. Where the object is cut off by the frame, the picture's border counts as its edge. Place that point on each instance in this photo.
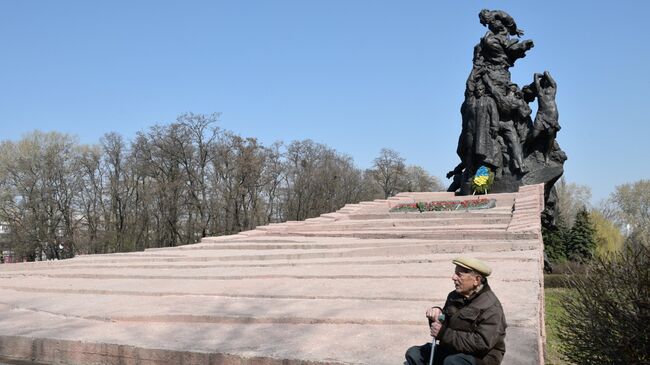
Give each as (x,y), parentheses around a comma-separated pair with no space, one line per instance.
(552,311)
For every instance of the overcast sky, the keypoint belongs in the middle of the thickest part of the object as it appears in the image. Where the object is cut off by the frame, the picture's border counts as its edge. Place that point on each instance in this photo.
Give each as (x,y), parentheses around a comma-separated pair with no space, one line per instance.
(356,75)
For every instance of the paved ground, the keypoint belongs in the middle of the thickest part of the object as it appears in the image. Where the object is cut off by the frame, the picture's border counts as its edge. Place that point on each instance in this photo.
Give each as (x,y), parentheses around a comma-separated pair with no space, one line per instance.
(348,287)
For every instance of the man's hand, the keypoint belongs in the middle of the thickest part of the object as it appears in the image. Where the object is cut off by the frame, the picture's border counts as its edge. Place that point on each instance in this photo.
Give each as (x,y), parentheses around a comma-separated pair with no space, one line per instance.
(433,313)
(435,328)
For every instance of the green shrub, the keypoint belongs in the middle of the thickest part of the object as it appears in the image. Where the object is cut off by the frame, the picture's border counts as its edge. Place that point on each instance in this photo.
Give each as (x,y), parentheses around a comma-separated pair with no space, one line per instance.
(606,318)
(556,281)
(569,268)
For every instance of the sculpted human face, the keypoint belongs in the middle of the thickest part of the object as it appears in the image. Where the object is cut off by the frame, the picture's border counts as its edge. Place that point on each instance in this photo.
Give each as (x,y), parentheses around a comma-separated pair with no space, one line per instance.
(465,281)
(496,27)
(479,90)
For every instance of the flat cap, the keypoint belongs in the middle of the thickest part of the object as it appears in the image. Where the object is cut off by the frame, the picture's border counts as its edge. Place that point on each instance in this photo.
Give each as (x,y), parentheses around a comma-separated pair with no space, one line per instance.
(473,264)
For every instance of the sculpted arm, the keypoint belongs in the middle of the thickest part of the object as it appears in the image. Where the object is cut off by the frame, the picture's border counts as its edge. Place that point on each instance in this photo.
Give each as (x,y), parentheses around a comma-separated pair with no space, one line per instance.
(518,49)
(550,79)
(538,86)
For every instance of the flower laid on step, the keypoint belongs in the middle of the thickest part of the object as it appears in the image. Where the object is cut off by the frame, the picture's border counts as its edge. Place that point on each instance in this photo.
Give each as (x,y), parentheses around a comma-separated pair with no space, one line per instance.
(439,206)
(482,180)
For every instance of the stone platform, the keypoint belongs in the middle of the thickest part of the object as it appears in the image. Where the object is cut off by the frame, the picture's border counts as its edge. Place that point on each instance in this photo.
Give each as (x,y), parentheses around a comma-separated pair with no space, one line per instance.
(349,287)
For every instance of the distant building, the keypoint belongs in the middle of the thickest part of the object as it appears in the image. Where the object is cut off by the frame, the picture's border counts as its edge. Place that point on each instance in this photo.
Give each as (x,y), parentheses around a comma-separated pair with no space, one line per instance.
(8,257)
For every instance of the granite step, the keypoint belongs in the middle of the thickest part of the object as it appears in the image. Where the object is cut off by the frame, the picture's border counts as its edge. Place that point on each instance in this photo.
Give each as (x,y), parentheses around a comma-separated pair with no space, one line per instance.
(378,223)
(446,234)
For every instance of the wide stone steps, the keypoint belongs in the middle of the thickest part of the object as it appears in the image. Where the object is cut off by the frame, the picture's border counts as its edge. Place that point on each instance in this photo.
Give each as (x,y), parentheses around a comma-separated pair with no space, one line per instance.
(349,287)
(223,257)
(161,306)
(475,214)
(195,343)
(445,234)
(393,228)
(346,265)
(320,243)
(372,266)
(484,223)
(269,286)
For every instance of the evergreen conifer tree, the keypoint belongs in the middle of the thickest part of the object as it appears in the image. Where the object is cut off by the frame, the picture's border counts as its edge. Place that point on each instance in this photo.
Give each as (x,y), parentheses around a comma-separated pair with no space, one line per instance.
(582,239)
(555,240)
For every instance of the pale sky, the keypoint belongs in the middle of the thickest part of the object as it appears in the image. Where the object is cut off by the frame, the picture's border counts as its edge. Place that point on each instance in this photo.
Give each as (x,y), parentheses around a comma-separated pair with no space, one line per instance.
(356,75)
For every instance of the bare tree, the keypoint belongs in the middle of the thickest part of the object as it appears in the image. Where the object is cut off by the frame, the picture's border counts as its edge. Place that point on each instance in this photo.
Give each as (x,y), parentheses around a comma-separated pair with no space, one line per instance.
(196,137)
(39,179)
(273,176)
(90,200)
(418,179)
(632,202)
(118,191)
(174,184)
(388,170)
(301,163)
(571,198)
(157,151)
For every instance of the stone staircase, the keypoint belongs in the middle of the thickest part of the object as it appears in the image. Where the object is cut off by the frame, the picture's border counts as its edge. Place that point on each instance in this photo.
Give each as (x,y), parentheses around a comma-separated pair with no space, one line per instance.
(348,287)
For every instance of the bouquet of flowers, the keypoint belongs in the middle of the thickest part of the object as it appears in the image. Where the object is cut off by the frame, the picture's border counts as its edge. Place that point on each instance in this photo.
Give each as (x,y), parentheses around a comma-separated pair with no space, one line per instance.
(482,180)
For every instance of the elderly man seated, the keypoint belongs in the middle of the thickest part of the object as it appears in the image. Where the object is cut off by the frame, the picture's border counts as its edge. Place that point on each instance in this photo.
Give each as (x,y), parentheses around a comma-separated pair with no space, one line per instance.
(471,327)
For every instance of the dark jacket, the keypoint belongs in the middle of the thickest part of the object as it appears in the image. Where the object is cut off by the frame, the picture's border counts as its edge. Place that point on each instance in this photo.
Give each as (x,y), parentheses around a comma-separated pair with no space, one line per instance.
(474,326)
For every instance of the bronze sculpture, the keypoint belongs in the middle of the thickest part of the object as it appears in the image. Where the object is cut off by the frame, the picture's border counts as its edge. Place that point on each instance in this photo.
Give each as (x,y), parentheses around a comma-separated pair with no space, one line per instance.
(497,127)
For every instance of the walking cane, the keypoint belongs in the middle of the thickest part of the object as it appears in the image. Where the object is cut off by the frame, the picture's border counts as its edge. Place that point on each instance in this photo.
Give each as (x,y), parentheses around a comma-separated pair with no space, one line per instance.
(433,349)
(433,340)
